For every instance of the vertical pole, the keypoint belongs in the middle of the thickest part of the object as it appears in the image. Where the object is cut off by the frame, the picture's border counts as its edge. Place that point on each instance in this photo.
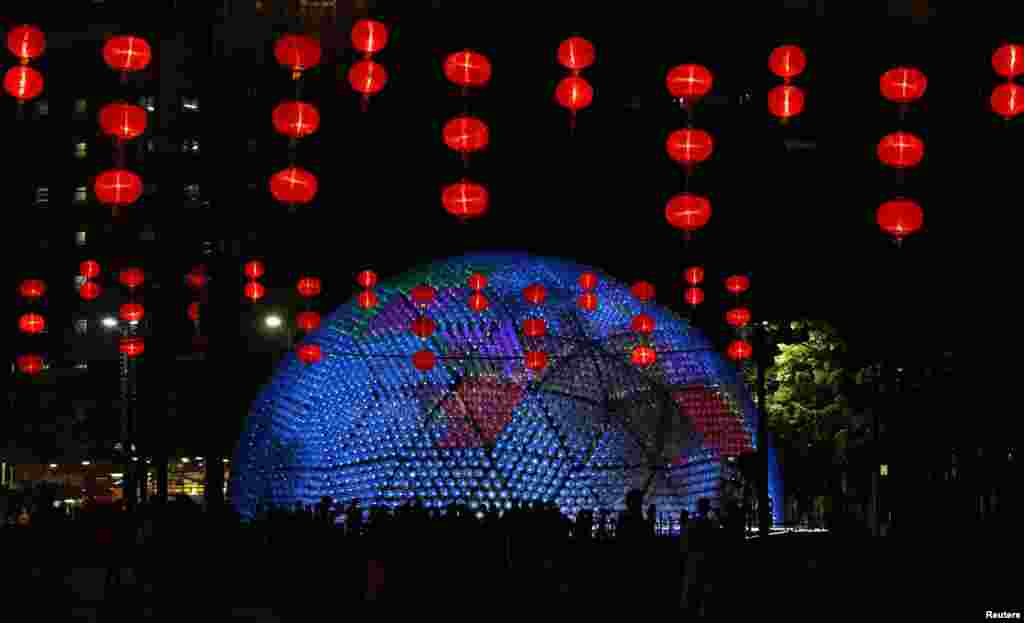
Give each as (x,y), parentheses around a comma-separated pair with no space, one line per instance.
(761,354)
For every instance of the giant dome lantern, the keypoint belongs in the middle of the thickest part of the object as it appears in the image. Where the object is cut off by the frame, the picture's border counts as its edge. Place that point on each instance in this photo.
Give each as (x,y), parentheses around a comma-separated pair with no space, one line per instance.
(483,414)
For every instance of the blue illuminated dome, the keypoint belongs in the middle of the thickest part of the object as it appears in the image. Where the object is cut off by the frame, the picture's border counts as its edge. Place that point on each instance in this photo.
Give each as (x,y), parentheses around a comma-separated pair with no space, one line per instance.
(480,428)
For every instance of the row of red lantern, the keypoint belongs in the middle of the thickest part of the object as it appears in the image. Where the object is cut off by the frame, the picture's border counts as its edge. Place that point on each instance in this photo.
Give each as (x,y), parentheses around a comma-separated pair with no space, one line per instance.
(786,100)
(466,134)
(367,76)
(574,92)
(901,217)
(31,323)
(738,317)
(1007,99)
(688,147)
(21,81)
(587,301)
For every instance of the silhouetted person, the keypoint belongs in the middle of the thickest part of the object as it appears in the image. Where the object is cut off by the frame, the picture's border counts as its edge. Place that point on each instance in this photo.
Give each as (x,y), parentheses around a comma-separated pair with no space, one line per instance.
(632,527)
(354,519)
(652,520)
(701,550)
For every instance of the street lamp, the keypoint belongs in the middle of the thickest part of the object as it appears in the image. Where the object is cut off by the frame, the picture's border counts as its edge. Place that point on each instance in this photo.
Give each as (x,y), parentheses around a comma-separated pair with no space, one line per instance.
(273,321)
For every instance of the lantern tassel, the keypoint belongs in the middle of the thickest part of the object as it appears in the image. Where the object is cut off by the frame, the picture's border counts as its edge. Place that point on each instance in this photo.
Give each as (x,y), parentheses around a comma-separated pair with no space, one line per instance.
(364,103)
(572,123)
(19,111)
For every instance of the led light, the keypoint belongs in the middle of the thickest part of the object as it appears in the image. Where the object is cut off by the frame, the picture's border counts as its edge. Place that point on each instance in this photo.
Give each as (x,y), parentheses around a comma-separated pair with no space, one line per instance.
(86,463)
(273,321)
(109,322)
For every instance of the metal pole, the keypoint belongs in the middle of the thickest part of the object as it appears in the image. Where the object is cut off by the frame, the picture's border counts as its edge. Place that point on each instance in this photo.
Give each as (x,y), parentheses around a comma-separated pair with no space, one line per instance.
(763,499)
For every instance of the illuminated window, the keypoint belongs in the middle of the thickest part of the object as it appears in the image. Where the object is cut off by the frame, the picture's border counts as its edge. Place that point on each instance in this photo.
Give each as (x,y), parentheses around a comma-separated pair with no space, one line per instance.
(81,238)
(148,102)
(81,149)
(82,326)
(42,108)
(192,192)
(81,194)
(190,104)
(81,107)
(82,365)
(42,196)
(883,470)
(191,145)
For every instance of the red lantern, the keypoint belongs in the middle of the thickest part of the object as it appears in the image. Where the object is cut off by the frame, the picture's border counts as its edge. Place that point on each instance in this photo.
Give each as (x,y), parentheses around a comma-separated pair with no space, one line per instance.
(478,302)
(132,278)
(296,119)
(424,360)
(786,101)
(422,295)
(900,150)
(367,299)
(118,187)
(465,199)
(576,54)
(309,353)
(196,280)
(32,289)
(903,85)
(89,291)
(31,323)
(254,269)
(688,212)
(90,269)
(574,93)
(1008,60)
(689,81)
(738,317)
(534,327)
(587,301)
(254,290)
(366,279)
(298,53)
(689,146)
(23,83)
(900,218)
(643,355)
(693,296)
(369,36)
(26,42)
(30,364)
(293,186)
(467,69)
(123,121)
(643,323)
(737,284)
(588,281)
(132,312)
(127,53)
(465,134)
(132,345)
(739,350)
(1008,100)
(193,311)
(694,275)
(307,321)
(367,77)
(643,290)
(534,294)
(477,282)
(787,61)
(536,360)
(422,327)
(308,287)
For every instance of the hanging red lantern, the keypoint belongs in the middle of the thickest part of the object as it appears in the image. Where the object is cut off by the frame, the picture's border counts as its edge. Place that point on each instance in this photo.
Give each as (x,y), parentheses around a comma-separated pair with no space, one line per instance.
(693,296)
(89,291)
(127,53)
(293,186)
(534,327)
(694,275)
(424,360)
(903,85)
(477,282)
(534,294)
(23,83)
(689,146)
(1008,60)
(131,312)
(643,290)
(422,295)
(478,302)
(787,61)
(738,317)
(196,280)
(131,278)
(369,36)
(737,284)
(132,345)
(296,119)
(193,311)
(588,281)
(465,199)
(422,327)
(587,301)
(307,321)
(689,81)
(739,350)
(254,290)
(26,42)
(122,120)
(118,187)
(688,212)
(1008,100)
(466,134)
(309,353)
(367,77)
(31,323)
(576,54)
(900,218)
(254,269)
(30,364)
(298,53)
(366,279)
(574,93)
(308,287)
(32,289)
(643,323)
(367,299)
(90,269)
(900,150)
(786,101)
(536,360)
(467,69)
(643,355)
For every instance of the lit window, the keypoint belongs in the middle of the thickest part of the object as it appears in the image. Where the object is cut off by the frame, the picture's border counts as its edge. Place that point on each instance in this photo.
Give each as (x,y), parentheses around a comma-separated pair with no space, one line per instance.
(81,106)
(81,149)
(148,102)
(82,326)
(82,365)
(190,103)
(192,191)
(80,238)
(42,196)
(150,145)
(42,108)
(191,145)
(81,194)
